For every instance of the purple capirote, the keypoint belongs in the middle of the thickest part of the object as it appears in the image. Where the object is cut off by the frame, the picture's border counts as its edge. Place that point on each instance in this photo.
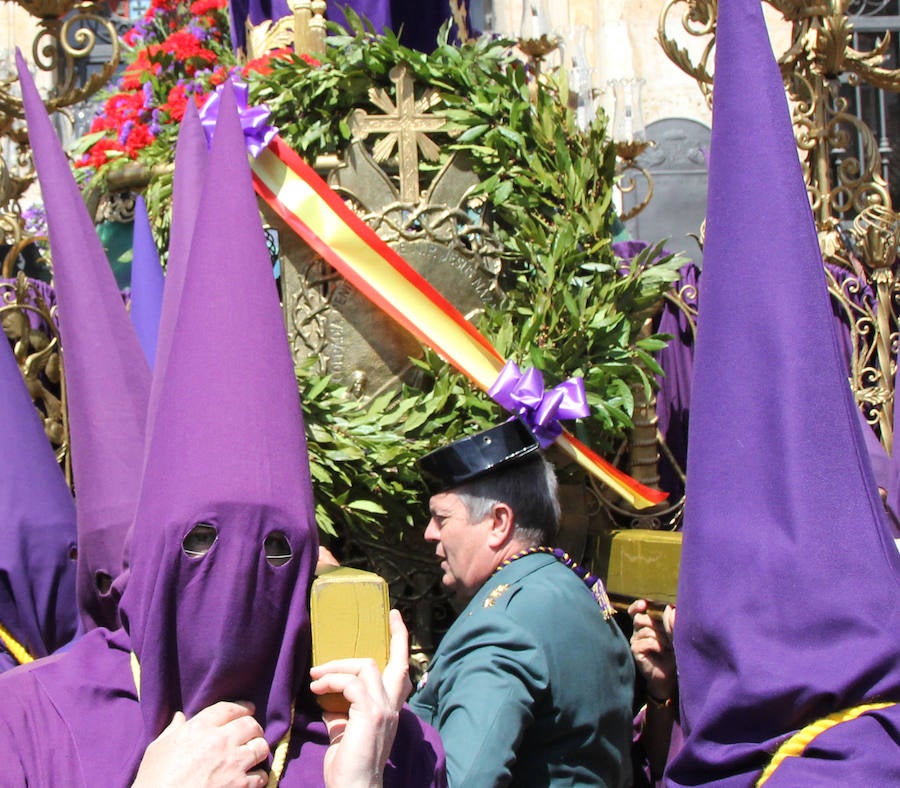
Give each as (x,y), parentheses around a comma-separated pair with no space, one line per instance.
(190,168)
(147,281)
(37,526)
(107,376)
(228,449)
(787,598)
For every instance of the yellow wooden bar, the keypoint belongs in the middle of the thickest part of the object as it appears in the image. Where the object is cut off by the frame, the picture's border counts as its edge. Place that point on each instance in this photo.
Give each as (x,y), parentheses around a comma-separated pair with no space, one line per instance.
(640,564)
(349,618)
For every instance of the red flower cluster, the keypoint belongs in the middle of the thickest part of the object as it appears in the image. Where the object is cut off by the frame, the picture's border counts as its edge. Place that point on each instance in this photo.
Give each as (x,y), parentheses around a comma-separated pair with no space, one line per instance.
(263,64)
(180,49)
(201,7)
(180,52)
(141,69)
(188,50)
(97,155)
(176,102)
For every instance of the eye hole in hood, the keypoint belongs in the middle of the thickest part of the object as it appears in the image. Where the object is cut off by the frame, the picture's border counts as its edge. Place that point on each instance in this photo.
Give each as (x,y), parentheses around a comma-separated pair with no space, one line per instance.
(199,540)
(278,549)
(104,581)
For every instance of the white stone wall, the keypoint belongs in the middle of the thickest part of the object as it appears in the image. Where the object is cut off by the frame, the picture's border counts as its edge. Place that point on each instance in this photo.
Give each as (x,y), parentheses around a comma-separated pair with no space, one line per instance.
(17,29)
(621,42)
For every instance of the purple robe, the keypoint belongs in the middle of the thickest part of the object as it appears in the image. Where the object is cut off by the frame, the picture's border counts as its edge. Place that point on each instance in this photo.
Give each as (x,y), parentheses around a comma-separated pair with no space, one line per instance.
(415,21)
(37,527)
(673,398)
(67,702)
(787,597)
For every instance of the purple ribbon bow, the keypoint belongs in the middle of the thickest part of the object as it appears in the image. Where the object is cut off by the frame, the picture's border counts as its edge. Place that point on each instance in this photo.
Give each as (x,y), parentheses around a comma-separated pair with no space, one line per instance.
(257,132)
(523,393)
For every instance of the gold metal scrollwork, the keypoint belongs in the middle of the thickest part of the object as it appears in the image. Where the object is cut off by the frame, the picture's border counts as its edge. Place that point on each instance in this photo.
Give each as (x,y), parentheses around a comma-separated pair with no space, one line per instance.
(858,227)
(819,53)
(29,324)
(698,21)
(628,171)
(71,39)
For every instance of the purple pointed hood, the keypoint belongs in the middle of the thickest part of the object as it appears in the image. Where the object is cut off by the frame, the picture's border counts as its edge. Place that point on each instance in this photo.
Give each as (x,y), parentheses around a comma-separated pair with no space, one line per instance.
(146,282)
(190,166)
(107,376)
(227,450)
(787,599)
(37,526)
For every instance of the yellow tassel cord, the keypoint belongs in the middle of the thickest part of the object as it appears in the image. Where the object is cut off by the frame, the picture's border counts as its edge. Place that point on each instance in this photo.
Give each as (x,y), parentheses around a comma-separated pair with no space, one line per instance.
(280,756)
(281,749)
(136,674)
(796,744)
(19,652)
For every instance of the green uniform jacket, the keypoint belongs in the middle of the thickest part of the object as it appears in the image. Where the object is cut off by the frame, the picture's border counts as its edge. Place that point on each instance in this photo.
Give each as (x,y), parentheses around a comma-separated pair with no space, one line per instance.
(531,686)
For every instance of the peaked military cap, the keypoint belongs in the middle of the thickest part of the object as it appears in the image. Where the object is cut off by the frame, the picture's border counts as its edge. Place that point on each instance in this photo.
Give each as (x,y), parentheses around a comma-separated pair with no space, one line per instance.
(475,455)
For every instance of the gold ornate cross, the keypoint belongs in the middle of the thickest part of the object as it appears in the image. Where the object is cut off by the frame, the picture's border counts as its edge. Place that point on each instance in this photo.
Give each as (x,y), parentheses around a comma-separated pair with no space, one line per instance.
(405,124)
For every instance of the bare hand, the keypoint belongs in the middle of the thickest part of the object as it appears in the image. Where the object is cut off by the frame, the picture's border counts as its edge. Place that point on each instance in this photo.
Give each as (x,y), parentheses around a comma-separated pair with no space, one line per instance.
(361,739)
(325,559)
(217,748)
(651,647)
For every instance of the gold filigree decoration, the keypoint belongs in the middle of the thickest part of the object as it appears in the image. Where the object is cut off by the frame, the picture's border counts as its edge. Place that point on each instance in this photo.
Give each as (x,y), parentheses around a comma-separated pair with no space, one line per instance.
(269,35)
(59,43)
(629,172)
(29,324)
(460,15)
(873,343)
(819,56)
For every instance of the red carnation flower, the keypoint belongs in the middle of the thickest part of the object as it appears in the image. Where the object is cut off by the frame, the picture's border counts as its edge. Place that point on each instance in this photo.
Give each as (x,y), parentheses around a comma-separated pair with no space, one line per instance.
(176,102)
(139,137)
(96,155)
(263,64)
(200,7)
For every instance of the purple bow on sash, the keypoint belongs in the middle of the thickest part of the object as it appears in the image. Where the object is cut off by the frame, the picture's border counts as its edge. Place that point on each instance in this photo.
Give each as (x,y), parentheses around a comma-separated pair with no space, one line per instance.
(523,393)
(254,120)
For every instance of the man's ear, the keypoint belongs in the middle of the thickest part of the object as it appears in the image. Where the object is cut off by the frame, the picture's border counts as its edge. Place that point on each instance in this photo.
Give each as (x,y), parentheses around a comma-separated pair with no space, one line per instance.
(502,525)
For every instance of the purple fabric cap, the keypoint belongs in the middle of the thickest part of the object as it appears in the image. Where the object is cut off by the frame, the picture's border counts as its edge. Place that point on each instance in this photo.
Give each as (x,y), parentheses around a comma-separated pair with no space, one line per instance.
(787,598)
(37,526)
(147,282)
(107,376)
(228,450)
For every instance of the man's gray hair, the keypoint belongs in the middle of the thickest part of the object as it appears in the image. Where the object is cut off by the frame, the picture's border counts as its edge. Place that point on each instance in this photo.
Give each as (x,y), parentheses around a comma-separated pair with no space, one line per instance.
(531,491)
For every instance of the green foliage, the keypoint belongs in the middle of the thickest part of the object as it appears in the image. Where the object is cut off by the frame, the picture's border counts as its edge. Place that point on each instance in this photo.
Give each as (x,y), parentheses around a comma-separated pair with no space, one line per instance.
(361,460)
(565,306)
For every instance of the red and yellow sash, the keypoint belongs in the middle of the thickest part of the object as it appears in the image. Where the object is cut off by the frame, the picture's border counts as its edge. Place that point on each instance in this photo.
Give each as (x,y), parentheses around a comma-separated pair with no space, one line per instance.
(321,218)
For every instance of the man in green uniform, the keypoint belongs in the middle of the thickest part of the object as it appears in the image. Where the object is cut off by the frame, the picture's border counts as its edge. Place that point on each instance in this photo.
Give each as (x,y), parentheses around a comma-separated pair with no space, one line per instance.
(533,683)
